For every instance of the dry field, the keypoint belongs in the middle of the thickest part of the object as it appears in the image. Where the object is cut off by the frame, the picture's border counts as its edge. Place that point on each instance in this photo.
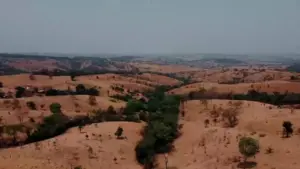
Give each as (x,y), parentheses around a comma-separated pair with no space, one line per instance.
(268,86)
(70,106)
(95,147)
(216,146)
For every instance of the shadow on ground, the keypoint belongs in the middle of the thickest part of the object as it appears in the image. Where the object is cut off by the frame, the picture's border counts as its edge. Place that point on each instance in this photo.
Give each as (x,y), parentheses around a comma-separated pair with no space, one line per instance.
(247,164)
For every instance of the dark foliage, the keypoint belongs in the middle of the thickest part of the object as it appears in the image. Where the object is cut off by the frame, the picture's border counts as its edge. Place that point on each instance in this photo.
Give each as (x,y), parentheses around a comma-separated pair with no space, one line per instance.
(19,91)
(162,126)
(55,108)
(1,84)
(126,97)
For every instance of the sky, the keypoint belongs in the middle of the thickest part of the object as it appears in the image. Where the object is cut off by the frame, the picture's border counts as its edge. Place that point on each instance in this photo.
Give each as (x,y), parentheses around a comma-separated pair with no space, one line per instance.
(150,26)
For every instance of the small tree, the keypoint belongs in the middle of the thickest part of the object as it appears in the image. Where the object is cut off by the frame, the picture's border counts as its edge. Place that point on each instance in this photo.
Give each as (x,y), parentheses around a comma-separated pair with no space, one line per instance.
(248,147)
(55,108)
(287,128)
(119,132)
(1,84)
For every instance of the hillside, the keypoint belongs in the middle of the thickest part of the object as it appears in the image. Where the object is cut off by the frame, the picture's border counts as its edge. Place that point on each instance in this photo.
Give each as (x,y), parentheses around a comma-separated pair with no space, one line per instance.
(100,149)
(216,146)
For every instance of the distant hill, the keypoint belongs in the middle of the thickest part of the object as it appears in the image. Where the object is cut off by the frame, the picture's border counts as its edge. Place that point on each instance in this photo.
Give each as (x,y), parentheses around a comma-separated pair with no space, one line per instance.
(20,63)
(294,67)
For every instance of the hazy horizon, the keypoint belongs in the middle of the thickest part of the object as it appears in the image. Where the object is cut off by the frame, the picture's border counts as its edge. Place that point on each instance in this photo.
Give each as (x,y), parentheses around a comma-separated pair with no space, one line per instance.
(150,27)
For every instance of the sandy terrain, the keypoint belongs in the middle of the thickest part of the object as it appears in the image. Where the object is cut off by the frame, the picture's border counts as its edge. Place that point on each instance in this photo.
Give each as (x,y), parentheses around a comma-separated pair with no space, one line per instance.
(268,86)
(217,147)
(101,150)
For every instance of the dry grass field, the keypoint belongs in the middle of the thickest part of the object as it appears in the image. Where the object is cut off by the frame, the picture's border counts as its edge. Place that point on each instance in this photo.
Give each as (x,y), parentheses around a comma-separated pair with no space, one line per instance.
(216,146)
(95,147)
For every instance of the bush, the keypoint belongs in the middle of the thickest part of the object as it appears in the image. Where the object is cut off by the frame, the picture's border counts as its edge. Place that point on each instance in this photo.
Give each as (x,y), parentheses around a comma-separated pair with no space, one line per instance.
(55,108)
(119,132)
(248,147)
(1,84)
(31,105)
(287,128)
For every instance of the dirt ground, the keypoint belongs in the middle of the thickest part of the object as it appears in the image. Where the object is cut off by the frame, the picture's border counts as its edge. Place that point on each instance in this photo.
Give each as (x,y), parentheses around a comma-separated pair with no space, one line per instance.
(95,147)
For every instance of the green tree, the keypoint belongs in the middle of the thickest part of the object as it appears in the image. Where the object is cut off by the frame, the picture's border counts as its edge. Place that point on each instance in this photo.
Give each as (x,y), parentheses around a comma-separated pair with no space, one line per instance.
(119,132)
(248,147)
(55,108)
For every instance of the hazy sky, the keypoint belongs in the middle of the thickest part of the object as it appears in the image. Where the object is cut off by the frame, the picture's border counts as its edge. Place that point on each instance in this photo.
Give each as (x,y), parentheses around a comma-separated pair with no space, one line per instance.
(150,26)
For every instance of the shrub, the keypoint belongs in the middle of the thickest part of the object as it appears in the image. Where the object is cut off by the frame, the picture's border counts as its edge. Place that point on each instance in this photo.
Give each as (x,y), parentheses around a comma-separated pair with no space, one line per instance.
(1,84)
(230,117)
(287,128)
(248,147)
(119,132)
(55,108)
(31,105)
